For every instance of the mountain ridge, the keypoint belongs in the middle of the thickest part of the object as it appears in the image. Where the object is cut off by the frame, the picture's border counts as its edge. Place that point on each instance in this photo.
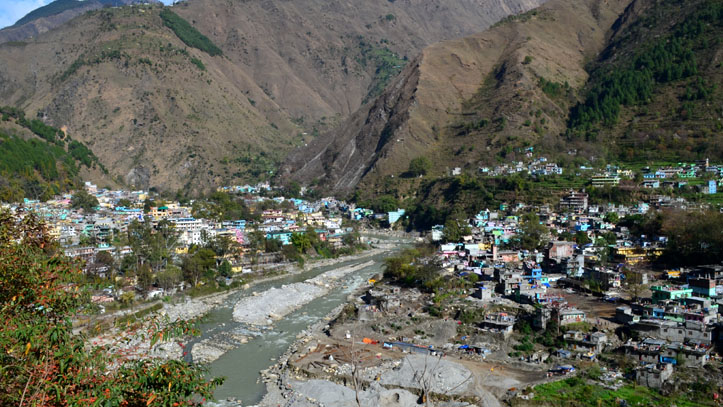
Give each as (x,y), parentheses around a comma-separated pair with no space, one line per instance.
(491,97)
(159,113)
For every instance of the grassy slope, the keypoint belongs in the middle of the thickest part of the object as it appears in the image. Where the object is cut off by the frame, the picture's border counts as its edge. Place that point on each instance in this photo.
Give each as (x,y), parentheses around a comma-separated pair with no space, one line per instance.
(571,392)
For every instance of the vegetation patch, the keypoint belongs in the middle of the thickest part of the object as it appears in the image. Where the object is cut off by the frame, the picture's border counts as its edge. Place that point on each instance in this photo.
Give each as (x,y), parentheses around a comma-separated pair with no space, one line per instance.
(188,34)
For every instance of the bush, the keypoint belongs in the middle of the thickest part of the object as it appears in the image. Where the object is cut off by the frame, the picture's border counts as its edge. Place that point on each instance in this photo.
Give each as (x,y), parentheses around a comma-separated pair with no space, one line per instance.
(419,166)
(198,63)
(45,363)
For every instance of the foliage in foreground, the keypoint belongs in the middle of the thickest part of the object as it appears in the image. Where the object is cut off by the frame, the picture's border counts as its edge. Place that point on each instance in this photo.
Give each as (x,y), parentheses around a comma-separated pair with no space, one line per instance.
(42,363)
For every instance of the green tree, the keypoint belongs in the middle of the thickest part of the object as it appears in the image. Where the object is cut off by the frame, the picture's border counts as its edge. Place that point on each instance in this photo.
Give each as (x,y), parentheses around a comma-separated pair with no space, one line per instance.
(44,363)
(301,242)
(272,245)
(532,234)
(124,203)
(145,278)
(170,277)
(197,263)
(419,166)
(290,253)
(454,228)
(582,238)
(385,203)
(83,200)
(225,269)
(611,217)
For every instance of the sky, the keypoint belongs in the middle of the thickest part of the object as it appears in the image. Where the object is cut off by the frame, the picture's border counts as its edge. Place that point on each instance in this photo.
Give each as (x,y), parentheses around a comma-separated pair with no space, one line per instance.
(13,10)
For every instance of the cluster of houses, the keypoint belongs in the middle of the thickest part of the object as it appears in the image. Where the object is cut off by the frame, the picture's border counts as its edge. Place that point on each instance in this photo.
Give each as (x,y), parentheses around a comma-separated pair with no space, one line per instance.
(86,234)
(669,177)
(665,177)
(678,323)
(537,166)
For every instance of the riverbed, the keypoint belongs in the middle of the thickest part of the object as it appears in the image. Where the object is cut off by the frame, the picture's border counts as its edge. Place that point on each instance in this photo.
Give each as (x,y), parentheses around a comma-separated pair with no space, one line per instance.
(239,350)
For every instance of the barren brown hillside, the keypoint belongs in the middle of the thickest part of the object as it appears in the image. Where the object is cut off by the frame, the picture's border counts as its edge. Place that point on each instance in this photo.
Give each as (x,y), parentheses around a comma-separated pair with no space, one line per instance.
(159,113)
(464,100)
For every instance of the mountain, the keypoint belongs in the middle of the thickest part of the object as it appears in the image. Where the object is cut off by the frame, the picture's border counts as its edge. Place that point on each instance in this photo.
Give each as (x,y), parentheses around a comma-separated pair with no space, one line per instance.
(560,79)
(161,108)
(53,14)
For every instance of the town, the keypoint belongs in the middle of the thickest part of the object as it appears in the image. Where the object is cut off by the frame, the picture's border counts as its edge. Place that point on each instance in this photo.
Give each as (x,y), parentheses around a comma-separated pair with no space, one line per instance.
(564,299)
(550,294)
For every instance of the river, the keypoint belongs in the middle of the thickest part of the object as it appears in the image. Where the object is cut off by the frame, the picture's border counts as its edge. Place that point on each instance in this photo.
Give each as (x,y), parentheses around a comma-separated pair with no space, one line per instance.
(241,365)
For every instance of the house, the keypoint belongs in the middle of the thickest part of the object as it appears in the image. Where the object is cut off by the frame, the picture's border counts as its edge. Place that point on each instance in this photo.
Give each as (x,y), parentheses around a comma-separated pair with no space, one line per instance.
(499,322)
(599,181)
(574,201)
(665,293)
(702,286)
(483,292)
(586,343)
(653,375)
(606,278)
(437,233)
(560,250)
(673,331)
(624,315)
(394,216)
(571,315)
(651,183)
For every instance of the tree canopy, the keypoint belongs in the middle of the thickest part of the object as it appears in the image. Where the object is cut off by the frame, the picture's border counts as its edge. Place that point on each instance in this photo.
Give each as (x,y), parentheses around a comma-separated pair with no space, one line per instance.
(419,166)
(83,200)
(44,363)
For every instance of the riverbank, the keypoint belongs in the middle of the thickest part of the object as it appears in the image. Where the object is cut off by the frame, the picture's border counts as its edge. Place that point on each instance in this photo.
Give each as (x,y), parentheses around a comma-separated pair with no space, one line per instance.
(185,308)
(276,303)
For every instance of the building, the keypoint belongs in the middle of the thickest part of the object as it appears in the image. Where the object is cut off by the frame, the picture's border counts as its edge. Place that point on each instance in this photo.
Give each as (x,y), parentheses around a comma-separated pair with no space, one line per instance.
(189,230)
(395,216)
(574,201)
(702,286)
(560,250)
(653,375)
(605,180)
(673,331)
(571,316)
(624,315)
(500,322)
(667,293)
(586,343)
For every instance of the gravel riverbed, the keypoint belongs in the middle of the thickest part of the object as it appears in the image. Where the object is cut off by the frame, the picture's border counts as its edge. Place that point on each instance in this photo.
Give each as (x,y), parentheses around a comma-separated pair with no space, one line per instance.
(275,303)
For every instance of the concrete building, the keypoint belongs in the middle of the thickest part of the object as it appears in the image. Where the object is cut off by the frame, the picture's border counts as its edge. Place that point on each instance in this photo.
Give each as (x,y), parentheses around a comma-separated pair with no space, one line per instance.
(574,201)
(666,293)
(653,375)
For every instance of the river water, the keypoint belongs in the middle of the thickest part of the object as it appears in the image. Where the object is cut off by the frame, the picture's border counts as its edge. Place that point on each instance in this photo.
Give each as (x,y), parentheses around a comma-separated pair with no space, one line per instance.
(241,365)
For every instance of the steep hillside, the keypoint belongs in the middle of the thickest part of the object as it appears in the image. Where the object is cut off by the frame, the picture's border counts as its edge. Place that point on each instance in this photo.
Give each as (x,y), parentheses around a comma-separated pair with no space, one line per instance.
(38,161)
(329,56)
(655,94)
(463,101)
(55,14)
(161,111)
(581,82)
